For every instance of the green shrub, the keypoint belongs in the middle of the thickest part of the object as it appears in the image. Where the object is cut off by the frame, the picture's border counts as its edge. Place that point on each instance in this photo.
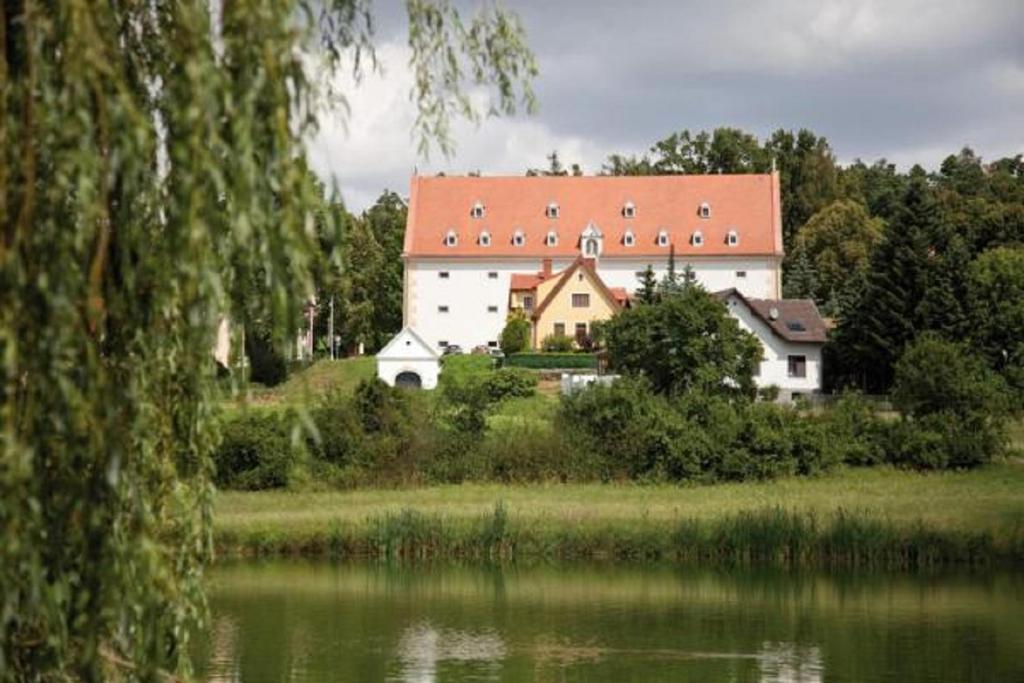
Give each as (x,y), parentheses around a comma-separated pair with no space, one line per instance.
(551,361)
(381,408)
(557,343)
(339,431)
(267,365)
(515,337)
(955,403)
(855,431)
(769,393)
(510,383)
(255,451)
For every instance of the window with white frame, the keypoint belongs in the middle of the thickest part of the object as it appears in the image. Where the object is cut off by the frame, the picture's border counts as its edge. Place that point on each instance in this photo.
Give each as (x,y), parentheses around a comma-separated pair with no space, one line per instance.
(732,238)
(451,239)
(493,275)
(629,239)
(552,210)
(742,274)
(697,239)
(629,210)
(492,309)
(552,239)
(442,309)
(705,210)
(662,238)
(443,274)
(477,211)
(518,238)
(485,239)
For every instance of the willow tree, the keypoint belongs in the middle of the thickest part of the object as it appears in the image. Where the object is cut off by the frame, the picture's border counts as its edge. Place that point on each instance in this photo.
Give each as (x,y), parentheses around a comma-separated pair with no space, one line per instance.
(152,167)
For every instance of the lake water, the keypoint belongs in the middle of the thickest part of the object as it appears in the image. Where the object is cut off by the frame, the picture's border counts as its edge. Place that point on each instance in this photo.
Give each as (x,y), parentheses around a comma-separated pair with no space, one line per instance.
(306,621)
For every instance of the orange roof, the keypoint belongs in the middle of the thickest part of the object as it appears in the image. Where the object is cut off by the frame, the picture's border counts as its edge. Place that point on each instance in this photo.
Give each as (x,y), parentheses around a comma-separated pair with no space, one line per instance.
(620,294)
(747,204)
(521,281)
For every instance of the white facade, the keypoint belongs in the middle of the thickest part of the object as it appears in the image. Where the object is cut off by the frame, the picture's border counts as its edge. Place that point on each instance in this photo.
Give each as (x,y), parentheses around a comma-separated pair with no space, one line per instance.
(464,300)
(776,367)
(408,361)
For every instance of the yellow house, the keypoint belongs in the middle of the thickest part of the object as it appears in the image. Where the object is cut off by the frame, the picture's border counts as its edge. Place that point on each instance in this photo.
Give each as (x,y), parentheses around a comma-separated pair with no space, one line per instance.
(567,302)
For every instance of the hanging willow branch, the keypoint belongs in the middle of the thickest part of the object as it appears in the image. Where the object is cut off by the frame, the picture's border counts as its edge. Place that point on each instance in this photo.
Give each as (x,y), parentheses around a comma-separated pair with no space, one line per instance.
(152,167)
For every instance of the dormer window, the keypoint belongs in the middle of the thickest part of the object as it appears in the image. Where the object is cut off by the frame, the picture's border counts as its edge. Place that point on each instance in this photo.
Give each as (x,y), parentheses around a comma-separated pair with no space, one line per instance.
(705,210)
(477,210)
(552,210)
(697,239)
(450,239)
(732,238)
(485,239)
(518,238)
(551,239)
(662,238)
(629,239)
(629,210)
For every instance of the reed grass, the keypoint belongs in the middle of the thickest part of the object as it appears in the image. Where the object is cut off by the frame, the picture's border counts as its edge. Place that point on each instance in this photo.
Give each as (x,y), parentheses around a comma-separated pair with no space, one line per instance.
(874,518)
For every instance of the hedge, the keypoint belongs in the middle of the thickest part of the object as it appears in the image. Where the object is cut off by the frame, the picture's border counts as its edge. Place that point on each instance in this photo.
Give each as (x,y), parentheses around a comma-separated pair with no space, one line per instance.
(546,361)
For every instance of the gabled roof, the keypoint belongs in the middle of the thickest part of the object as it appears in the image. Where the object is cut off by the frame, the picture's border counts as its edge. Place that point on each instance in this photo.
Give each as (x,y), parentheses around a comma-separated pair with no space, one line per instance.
(795,320)
(407,345)
(748,204)
(588,265)
(527,281)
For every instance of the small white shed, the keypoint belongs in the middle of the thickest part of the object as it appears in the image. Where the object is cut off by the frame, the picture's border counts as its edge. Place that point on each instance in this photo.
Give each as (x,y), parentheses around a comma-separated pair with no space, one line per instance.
(408,361)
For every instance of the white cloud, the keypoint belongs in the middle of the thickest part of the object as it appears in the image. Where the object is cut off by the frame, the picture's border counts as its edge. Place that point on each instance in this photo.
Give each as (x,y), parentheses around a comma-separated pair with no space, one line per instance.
(373,148)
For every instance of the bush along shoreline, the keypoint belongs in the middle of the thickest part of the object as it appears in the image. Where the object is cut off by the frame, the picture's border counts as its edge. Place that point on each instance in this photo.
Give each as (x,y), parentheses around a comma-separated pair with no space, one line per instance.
(769,536)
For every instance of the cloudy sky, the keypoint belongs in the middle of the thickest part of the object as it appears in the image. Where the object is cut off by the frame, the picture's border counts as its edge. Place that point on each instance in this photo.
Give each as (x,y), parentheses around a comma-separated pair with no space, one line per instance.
(908,80)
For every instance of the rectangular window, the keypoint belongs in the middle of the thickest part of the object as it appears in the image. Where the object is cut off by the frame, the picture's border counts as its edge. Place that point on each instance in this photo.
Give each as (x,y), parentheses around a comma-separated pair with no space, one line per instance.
(581,331)
(443,344)
(798,366)
(492,344)
(741,273)
(493,275)
(528,302)
(443,274)
(492,309)
(442,309)
(580,300)
(560,329)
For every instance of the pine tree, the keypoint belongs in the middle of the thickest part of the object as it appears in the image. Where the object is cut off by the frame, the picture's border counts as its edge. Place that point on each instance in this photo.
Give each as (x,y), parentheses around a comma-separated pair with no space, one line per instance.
(802,279)
(648,292)
(670,284)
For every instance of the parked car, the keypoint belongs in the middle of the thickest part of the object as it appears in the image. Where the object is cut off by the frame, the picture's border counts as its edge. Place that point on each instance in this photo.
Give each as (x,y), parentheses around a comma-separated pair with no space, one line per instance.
(452,350)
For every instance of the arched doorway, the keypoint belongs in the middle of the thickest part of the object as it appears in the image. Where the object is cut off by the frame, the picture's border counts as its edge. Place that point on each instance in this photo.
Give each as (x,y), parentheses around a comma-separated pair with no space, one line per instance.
(408,380)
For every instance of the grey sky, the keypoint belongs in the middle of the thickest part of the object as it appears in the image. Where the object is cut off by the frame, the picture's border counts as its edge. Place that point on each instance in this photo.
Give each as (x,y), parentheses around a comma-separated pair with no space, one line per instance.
(908,80)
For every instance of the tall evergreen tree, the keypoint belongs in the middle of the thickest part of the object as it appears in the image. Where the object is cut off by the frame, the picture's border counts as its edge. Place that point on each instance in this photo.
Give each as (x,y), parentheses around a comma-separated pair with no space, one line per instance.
(648,292)
(802,279)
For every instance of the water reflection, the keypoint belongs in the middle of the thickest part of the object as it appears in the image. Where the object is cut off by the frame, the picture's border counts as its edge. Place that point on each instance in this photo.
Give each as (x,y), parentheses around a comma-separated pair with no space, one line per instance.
(422,646)
(319,622)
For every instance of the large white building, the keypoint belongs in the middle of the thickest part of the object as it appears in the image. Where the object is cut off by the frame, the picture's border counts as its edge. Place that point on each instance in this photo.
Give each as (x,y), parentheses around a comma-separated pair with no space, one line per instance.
(467,236)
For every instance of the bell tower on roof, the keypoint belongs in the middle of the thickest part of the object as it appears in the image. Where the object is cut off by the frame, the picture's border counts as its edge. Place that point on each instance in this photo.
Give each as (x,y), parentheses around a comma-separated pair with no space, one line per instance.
(591,241)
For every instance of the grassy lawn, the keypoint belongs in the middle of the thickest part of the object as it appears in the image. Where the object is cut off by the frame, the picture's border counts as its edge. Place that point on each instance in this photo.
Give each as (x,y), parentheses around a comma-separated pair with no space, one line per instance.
(989,500)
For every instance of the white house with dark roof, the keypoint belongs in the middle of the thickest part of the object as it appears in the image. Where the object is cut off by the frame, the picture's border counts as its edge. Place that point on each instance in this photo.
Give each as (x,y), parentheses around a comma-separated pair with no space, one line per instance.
(792,333)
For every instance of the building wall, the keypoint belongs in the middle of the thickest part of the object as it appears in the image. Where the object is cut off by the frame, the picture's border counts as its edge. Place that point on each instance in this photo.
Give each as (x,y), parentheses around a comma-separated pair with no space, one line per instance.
(468,291)
(775,366)
(427,368)
(561,310)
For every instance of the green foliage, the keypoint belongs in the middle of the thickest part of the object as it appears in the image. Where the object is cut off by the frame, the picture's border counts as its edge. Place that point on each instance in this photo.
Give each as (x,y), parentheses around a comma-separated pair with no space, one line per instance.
(954,407)
(515,337)
(506,383)
(557,343)
(553,361)
(638,434)
(381,408)
(996,305)
(152,183)
(267,365)
(683,342)
(856,431)
(835,244)
(648,292)
(255,451)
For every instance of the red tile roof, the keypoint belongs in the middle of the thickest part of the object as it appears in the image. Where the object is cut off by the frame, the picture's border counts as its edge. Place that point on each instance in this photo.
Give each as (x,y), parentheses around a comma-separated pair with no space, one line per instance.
(748,204)
(523,281)
(620,294)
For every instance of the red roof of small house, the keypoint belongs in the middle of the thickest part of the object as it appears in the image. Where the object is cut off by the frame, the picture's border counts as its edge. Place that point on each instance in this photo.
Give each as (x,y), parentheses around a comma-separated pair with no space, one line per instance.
(620,294)
(562,277)
(745,204)
(527,281)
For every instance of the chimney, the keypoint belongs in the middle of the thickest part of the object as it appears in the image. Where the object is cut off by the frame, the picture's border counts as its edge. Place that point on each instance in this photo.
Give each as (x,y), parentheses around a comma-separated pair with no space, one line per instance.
(545,268)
